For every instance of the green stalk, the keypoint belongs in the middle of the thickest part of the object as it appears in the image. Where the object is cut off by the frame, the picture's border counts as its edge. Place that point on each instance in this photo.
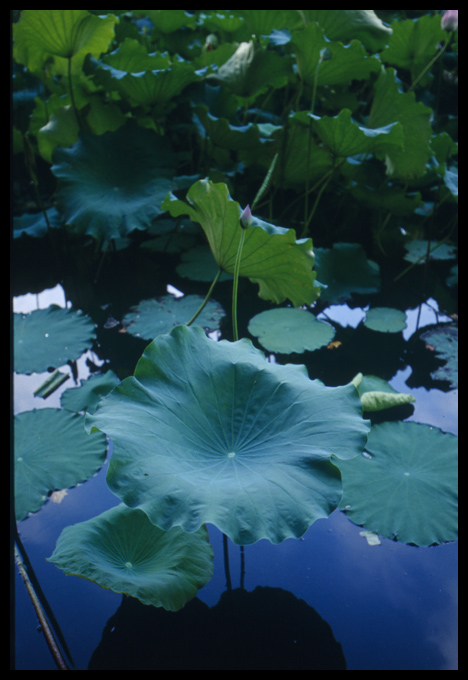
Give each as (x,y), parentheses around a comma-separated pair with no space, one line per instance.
(235,285)
(205,301)
(72,96)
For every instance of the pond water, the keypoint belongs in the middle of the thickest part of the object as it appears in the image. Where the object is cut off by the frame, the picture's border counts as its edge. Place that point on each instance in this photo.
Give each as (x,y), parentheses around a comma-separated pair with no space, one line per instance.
(330,600)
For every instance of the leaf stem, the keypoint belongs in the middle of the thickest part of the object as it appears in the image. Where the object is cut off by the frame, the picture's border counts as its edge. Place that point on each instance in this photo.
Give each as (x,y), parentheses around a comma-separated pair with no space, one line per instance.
(236,284)
(72,96)
(205,301)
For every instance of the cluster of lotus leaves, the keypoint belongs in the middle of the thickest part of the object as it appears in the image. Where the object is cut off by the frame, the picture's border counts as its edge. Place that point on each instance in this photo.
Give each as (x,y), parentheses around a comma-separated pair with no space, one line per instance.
(211,432)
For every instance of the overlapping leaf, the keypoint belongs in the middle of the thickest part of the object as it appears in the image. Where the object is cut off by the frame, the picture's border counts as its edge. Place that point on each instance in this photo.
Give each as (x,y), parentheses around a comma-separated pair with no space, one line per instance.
(271,255)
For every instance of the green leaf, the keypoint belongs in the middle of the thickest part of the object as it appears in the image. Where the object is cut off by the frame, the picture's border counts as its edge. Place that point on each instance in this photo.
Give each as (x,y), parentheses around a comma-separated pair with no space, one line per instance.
(61,33)
(122,551)
(345,269)
(157,316)
(349,24)
(377,394)
(346,62)
(113,184)
(391,105)
(417,251)
(444,341)
(405,488)
(271,255)
(52,451)
(50,337)
(414,43)
(211,432)
(87,396)
(385,320)
(288,330)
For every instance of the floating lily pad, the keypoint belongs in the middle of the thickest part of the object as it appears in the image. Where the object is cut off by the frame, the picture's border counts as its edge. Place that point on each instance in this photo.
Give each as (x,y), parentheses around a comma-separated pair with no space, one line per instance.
(50,337)
(385,320)
(271,256)
(87,396)
(444,340)
(156,316)
(52,451)
(122,551)
(405,487)
(112,184)
(290,330)
(345,270)
(211,432)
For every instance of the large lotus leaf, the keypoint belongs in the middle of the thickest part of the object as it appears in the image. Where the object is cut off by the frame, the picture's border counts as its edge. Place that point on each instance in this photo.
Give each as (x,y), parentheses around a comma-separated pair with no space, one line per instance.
(114,183)
(414,43)
(271,256)
(290,330)
(157,316)
(392,104)
(52,451)
(346,62)
(50,337)
(61,33)
(348,24)
(405,487)
(122,551)
(211,432)
(444,341)
(144,79)
(345,270)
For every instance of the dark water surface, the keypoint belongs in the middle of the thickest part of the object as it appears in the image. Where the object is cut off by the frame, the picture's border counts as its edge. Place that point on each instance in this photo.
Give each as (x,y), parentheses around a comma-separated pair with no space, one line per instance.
(326,601)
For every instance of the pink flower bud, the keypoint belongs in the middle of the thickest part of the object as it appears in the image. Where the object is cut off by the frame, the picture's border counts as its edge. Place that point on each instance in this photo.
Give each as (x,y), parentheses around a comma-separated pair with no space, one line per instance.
(246,217)
(449,21)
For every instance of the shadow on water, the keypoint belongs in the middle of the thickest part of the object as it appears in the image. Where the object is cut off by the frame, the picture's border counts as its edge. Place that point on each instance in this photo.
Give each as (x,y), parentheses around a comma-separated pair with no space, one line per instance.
(266,629)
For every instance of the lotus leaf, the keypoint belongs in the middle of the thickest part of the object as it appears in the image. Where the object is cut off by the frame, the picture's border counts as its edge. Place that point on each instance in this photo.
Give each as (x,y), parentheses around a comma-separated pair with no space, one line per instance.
(418,249)
(50,337)
(290,330)
(413,43)
(154,317)
(377,394)
(87,396)
(348,24)
(52,451)
(114,183)
(199,264)
(405,488)
(444,340)
(385,320)
(345,269)
(211,432)
(271,256)
(62,33)
(122,551)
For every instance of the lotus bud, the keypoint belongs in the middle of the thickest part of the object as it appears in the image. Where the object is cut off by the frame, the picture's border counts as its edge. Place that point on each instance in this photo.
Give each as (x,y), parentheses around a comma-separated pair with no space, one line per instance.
(246,217)
(449,21)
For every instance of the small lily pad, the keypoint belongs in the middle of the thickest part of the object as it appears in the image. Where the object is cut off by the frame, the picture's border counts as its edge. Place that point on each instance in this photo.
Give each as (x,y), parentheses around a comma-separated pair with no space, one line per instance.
(156,316)
(122,551)
(52,451)
(50,337)
(290,330)
(385,320)
(405,486)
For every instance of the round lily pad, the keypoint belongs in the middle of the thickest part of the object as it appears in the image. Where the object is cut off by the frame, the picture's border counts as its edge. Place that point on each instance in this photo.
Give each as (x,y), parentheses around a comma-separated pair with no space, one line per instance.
(385,320)
(211,432)
(290,330)
(52,451)
(405,486)
(156,316)
(122,551)
(50,337)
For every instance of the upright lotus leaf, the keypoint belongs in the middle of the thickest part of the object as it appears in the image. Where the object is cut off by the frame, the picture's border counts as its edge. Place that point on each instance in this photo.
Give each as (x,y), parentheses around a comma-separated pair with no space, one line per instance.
(211,432)
(157,316)
(122,551)
(62,34)
(50,337)
(271,256)
(349,24)
(405,487)
(290,330)
(52,451)
(112,184)
(414,43)
(345,62)
(345,270)
(391,104)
